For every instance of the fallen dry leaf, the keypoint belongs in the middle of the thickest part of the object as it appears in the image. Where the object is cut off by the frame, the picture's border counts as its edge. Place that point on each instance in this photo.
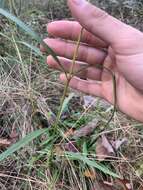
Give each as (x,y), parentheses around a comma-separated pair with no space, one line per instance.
(4,143)
(141,188)
(58,150)
(118,184)
(90,174)
(86,130)
(106,148)
(107,144)
(102,186)
(118,143)
(70,146)
(125,184)
(89,101)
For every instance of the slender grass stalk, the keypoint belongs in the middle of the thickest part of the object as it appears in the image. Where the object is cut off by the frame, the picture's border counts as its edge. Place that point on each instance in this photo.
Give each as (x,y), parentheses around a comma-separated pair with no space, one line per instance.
(10,6)
(14,7)
(20,59)
(72,74)
(75,55)
(99,66)
(114,92)
(114,101)
(69,77)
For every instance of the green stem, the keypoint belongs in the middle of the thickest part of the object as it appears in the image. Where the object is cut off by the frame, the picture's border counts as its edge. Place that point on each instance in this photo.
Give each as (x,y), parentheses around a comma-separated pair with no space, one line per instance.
(114,88)
(114,103)
(72,74)
(75,54)
(69,77)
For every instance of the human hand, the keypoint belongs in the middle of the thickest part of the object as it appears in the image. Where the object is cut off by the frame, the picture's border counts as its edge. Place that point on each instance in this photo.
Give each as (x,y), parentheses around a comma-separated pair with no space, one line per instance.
(105,41)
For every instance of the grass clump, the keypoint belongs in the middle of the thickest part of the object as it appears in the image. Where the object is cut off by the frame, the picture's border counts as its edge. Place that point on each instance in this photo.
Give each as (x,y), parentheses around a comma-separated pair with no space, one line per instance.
(30,99)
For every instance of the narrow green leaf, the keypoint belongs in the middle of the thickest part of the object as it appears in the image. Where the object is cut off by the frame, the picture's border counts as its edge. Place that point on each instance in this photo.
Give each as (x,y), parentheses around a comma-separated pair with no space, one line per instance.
(22,143)
(21,24)
(91,163)
(35,49)
(84,149)
(49,51)
(2,3)
(30,32)
(66,102)
(5,36)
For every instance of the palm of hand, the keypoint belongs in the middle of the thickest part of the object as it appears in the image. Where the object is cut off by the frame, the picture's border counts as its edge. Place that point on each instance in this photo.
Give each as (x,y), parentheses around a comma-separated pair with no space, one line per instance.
(128,96)
(123,57)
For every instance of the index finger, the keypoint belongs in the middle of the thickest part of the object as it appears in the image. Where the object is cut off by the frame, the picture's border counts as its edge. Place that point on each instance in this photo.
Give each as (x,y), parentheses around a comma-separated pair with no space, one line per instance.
(97,21)
(70,30)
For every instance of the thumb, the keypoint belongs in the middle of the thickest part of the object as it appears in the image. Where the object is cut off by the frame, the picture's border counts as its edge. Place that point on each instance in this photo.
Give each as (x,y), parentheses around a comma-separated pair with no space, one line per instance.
(97,21)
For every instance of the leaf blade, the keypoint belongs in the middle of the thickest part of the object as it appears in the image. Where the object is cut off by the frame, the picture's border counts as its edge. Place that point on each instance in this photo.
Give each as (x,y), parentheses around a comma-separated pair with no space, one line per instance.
(20,24)
(66,102)
(15,147)
(30,32)
(33,48)
(78,156)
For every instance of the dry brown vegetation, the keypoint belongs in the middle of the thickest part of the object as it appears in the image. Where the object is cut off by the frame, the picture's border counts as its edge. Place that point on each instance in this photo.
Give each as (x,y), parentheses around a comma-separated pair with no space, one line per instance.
(29,99)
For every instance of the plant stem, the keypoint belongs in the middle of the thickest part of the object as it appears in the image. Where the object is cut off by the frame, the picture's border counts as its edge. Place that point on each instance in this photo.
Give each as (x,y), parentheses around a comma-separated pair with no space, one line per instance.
(72,74)
(69,77)
(75,54)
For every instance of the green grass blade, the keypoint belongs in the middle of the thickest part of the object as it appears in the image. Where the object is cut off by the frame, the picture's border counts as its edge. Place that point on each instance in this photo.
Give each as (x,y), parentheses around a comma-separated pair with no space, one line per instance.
(66,102)
(49,51)
(29,31)
(91,163)
(2,3)
(21,143)
(21,24)
(33,48)
(5,36)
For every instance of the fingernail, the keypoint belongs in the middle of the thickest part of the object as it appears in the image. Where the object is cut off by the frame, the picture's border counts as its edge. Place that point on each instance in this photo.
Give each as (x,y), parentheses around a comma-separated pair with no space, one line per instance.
(78,2)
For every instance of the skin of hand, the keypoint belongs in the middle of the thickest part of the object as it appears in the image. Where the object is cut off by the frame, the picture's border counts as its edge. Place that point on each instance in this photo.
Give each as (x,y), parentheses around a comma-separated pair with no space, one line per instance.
(106,41)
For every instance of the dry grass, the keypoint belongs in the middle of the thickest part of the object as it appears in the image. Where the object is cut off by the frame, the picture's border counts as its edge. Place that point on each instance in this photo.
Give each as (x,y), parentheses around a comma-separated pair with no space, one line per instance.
(29,90)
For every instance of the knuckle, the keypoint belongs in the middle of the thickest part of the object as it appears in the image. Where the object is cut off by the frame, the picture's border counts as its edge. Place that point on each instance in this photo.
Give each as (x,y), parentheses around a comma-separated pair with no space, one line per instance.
(75,31)
(83,53)
(99,14)
(98,18)
(87,37)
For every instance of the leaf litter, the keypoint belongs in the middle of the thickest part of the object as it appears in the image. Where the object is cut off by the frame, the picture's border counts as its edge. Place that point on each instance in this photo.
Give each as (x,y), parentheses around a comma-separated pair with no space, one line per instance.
(106,148)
